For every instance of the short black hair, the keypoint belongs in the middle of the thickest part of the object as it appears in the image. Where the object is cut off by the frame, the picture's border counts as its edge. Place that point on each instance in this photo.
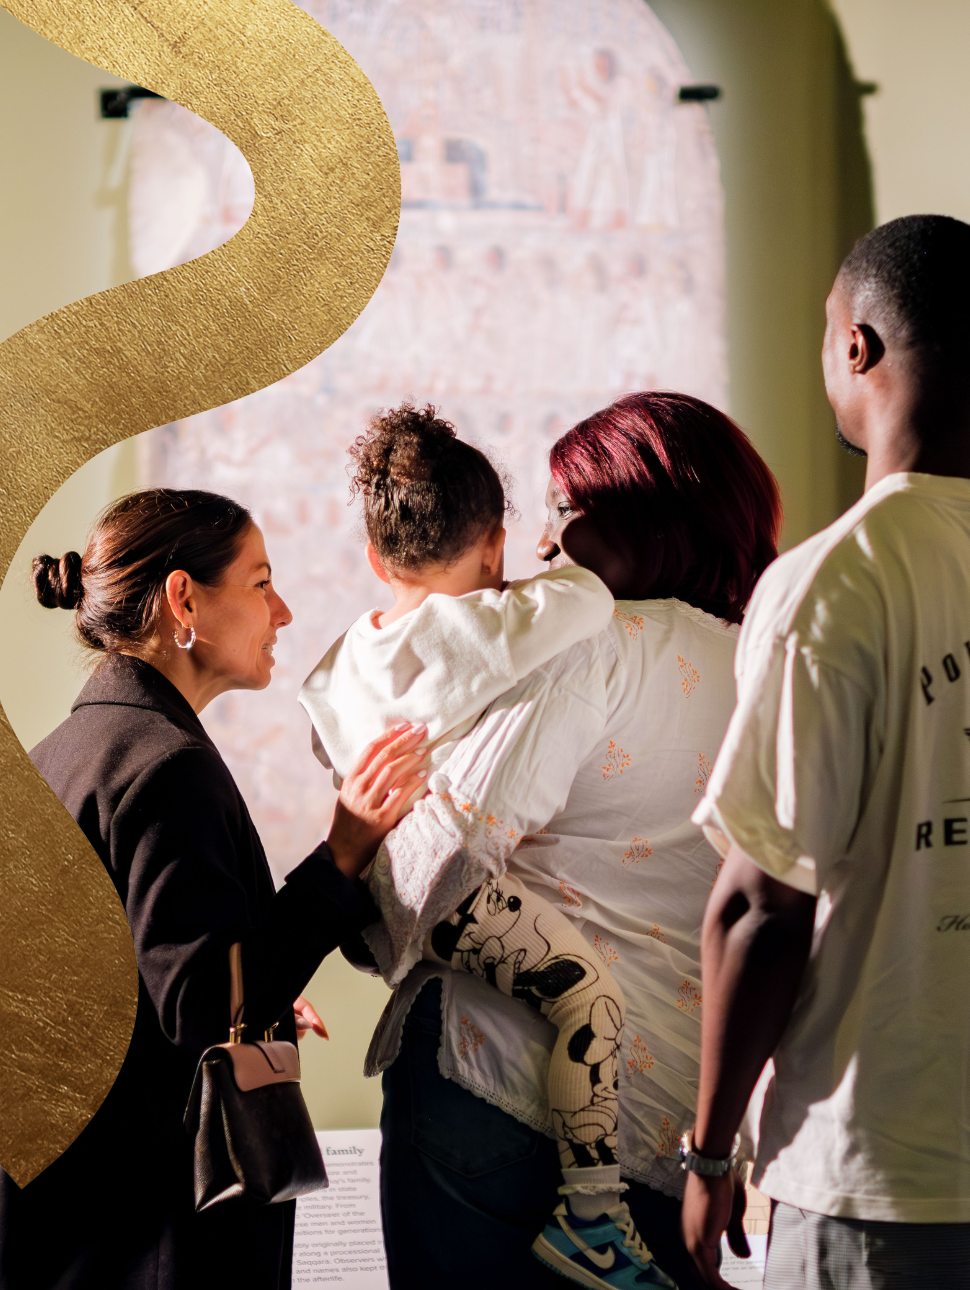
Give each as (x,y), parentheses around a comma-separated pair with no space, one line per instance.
(914,273)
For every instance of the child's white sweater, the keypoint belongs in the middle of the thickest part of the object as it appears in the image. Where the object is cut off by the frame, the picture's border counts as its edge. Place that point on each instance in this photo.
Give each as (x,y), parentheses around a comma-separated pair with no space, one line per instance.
(445,662)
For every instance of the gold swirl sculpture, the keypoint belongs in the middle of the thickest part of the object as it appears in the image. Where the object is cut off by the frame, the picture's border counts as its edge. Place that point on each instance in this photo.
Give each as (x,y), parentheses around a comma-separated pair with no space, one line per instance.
(284,288)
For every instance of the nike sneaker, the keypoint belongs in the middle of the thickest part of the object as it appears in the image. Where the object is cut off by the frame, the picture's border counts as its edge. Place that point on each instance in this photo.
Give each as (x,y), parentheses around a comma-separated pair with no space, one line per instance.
(606,1252)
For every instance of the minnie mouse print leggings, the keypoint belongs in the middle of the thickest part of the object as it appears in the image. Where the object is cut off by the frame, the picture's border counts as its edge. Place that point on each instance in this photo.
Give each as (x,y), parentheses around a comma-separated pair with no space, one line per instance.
(519,943)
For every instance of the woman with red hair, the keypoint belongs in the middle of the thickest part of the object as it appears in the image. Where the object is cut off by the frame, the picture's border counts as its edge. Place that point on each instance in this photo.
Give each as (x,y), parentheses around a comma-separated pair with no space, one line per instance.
(580,781)
(675,503)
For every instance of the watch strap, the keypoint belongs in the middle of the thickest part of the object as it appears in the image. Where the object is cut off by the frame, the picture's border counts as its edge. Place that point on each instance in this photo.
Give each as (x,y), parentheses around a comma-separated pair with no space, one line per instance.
(693,1162)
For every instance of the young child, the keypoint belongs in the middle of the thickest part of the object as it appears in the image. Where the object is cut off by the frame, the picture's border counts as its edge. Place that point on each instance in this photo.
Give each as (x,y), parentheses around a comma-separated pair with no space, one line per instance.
(457,638)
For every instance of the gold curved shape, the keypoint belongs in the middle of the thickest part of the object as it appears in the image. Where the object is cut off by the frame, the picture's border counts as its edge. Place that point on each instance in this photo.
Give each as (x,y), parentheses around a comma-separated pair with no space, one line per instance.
(284,288)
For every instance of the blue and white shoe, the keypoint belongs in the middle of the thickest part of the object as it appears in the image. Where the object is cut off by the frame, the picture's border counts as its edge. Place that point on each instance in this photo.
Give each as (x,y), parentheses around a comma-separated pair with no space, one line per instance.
(606,1252)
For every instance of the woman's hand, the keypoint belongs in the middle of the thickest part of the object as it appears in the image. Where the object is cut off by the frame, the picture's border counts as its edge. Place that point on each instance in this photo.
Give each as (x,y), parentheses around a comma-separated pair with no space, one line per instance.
(374,795)
(307,1018)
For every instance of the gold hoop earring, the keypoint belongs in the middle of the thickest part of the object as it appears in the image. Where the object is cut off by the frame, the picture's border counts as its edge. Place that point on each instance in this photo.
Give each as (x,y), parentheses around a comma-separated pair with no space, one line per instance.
(191,640)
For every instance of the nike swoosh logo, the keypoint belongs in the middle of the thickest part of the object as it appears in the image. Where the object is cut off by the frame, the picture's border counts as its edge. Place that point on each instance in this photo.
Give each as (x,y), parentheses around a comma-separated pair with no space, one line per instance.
(604,1261)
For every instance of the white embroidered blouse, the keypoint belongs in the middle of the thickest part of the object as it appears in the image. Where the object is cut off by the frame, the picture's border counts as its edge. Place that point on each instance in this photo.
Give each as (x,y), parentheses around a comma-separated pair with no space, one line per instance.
(581,780)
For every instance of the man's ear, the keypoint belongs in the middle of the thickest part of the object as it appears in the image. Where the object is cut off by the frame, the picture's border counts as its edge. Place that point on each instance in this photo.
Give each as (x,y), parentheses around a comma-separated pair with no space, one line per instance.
(374,560)
(865,350)
(585,545)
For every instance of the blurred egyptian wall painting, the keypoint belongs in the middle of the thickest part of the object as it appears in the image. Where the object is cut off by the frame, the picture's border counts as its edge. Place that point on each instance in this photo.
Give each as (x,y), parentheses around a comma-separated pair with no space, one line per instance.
(561,243)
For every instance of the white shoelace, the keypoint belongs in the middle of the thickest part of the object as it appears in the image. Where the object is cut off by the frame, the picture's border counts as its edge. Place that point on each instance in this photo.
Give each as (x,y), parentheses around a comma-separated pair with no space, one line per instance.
(632,1240)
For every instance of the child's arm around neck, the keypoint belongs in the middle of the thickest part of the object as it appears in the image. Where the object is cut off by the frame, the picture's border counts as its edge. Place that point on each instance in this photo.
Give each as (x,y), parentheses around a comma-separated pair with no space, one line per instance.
(534,619)
(445,660)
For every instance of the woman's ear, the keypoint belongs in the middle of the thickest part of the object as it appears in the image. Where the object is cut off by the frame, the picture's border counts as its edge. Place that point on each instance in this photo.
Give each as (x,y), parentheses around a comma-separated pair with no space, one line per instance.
(179,597)
(374,560)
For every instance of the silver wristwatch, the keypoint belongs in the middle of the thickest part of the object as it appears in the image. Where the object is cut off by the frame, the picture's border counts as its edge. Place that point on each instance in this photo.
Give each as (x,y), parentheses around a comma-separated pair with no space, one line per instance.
(694,1163)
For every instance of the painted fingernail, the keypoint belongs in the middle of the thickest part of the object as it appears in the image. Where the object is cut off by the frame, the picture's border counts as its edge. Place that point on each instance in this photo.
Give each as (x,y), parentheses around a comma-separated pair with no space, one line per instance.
(405,725)
(422,774)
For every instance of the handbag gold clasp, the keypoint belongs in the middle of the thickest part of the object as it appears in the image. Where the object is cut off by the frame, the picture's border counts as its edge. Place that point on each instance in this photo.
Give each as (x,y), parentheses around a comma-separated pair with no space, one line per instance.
(268,1034)
(235,1033)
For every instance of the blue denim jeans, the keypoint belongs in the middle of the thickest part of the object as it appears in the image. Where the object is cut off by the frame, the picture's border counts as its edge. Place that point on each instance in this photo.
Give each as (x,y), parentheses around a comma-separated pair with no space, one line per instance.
(466,1188)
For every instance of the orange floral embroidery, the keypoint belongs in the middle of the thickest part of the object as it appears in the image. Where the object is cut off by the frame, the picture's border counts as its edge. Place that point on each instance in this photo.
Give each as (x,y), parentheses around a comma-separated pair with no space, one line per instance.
(657,934)
(491,822)
(531,839)
(669,1144)
(703,773)
(690,999)
(640,848)
(605,950)
(491,831)
(640,1060)
(616,761)
(689,676)
(471,1039)
(570,896)
(632,622)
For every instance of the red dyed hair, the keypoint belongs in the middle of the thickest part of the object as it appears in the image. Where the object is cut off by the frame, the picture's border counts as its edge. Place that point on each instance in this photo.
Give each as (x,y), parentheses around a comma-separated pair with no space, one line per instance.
(677,491)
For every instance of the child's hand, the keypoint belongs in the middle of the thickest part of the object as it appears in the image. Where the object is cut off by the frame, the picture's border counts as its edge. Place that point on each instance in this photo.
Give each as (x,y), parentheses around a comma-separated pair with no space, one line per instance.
(374,795)
(307,1018)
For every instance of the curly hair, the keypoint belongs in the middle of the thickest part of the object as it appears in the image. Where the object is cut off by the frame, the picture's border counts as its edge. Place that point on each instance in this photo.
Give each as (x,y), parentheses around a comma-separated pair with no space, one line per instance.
(428,495)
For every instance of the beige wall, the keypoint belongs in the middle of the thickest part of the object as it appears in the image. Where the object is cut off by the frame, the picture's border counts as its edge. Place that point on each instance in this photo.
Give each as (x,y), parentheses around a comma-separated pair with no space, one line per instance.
(795,182)
(62,200)
(62,237)
(788,132)
(918,122)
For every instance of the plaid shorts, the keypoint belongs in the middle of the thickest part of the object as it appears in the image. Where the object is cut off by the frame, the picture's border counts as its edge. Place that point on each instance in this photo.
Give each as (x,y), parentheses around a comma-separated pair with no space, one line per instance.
(809,1251)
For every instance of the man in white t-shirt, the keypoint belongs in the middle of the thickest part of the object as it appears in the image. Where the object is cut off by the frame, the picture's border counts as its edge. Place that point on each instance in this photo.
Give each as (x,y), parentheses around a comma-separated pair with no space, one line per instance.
(837,937)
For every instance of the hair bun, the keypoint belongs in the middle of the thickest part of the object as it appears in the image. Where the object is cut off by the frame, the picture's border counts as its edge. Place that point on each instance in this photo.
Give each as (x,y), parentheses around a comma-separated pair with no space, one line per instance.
(403,446)
(58,582)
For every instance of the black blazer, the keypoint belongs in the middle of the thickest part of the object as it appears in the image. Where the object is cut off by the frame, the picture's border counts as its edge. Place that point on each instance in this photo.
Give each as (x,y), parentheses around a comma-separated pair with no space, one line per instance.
(138,772)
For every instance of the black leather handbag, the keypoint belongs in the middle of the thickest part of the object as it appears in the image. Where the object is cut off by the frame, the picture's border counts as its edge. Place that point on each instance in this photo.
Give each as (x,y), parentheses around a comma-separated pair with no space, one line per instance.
(254,1141)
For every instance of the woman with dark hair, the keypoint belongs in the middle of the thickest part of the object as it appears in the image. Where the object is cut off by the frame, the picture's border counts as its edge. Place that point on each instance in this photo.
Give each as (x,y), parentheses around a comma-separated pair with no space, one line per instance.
(582,780)
(174,591)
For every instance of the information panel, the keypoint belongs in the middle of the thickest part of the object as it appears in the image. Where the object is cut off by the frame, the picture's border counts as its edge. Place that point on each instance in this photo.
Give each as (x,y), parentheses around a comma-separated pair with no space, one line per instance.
(338,1231)
(745,1274)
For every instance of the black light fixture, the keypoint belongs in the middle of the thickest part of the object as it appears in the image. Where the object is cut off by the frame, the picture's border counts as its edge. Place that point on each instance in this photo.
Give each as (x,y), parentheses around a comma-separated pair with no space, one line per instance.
(115,103)
(698,93)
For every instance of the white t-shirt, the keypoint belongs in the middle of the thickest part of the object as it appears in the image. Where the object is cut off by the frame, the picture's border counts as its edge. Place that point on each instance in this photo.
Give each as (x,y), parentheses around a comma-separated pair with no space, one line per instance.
(444,662)
(581,780)
(846,772)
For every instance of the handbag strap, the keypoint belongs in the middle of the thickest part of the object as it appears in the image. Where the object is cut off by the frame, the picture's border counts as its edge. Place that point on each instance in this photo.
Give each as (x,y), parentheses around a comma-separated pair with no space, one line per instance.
(236,996)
